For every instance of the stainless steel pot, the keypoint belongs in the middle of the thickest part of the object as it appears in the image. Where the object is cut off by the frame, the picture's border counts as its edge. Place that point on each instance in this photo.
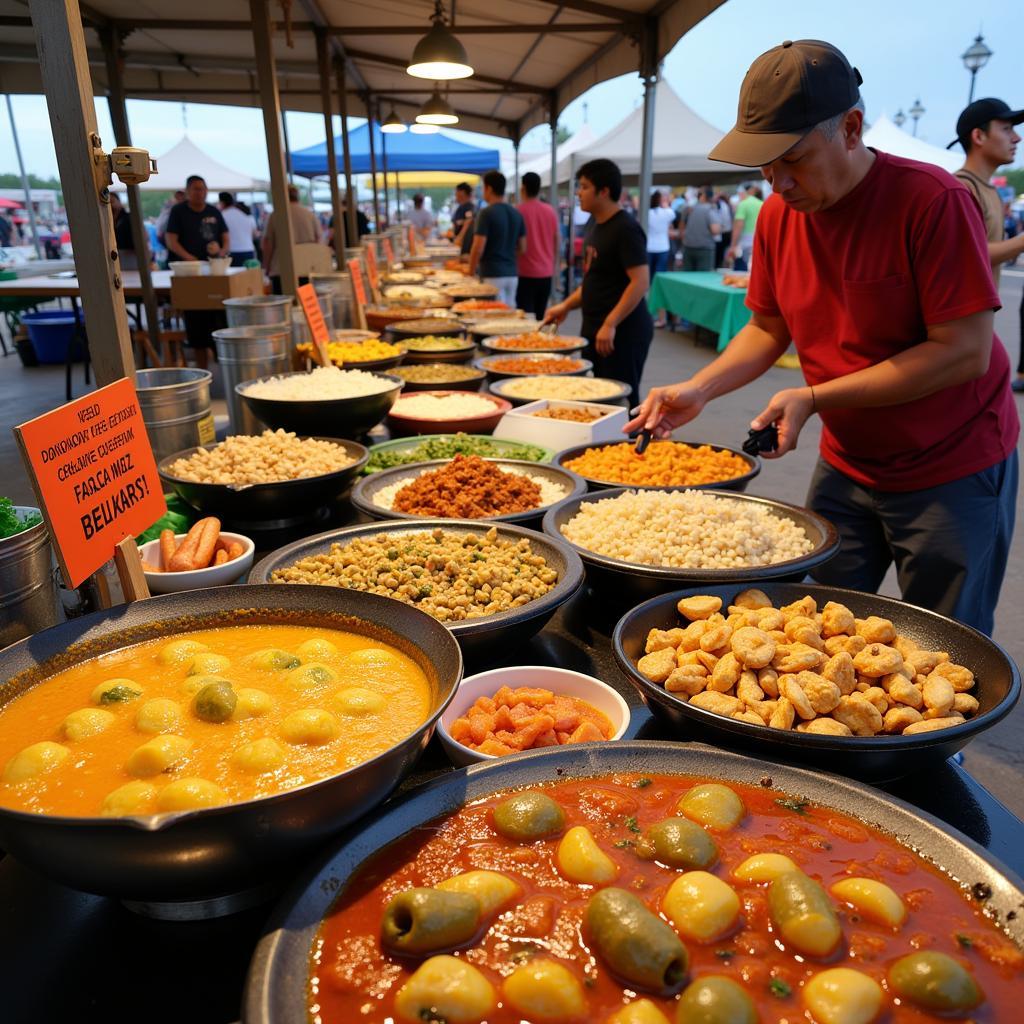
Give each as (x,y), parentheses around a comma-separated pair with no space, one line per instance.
(246,353)
(175,406)
(29,599)
(258,310)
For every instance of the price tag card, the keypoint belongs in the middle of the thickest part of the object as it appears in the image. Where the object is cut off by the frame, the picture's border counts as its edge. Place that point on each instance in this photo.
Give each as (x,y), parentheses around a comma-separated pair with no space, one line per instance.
(358,285)
(389,253)
(93,471)
(371,268)
(412,240)
(315,319)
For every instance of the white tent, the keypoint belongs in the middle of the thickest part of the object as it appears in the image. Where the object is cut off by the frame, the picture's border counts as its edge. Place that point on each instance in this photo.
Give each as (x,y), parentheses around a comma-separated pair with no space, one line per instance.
(889,138)
(540,162)
(682,141)
(185,158)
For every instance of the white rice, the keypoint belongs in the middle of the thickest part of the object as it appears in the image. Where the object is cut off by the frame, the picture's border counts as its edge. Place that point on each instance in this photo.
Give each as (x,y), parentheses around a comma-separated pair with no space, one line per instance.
(443,407)
(324,384)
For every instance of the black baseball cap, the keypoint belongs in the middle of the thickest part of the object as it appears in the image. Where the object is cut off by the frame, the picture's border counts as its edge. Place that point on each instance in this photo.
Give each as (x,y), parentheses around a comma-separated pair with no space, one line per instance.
(786,92)
(981,112)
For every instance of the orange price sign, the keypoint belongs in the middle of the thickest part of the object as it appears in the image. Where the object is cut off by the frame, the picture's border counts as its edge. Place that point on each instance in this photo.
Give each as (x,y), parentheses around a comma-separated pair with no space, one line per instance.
(93,471)
(389,253)
(412,240)
(315,319)
(358,285)
(371,266)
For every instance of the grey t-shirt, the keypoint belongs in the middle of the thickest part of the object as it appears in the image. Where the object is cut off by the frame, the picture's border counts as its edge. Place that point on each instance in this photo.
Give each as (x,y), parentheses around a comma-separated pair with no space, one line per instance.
(698,220)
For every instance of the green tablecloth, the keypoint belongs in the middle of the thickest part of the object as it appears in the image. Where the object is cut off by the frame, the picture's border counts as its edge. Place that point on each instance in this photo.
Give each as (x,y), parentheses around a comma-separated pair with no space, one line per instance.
(701,298)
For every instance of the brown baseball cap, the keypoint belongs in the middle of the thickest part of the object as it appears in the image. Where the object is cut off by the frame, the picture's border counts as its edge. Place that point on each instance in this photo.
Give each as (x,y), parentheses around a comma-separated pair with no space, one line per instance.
(787,91)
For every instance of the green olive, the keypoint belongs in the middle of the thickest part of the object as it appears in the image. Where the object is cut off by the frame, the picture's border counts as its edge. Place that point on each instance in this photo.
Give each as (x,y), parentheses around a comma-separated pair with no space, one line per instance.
(423,921)
(273,659)
(803,914)
(529,816)
(215,702)
(934,981)
(715,1000)
(678,843)
(636,944)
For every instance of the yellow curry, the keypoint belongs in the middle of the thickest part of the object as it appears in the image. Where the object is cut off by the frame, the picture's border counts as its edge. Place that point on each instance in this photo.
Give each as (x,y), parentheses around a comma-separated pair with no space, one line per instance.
(209,717)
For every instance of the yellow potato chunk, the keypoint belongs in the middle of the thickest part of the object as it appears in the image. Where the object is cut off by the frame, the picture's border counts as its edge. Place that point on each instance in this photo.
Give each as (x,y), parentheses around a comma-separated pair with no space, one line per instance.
(178,651)
(158,715)
(191,685)
(310,677)
(190,794)
(580,859)
(272,659)
(714,806)
(641,1011)
(873,900)
(316,649)
(449,988)
(310,726)
(34,760)
(208,664)
(131,798)
(86,722)
(357,701)
(260,756)
(695,608)
(764,867)
(701,906)
(544,990)
(251,704)
(158,755)
(491,888)
(842,995)
(116,691)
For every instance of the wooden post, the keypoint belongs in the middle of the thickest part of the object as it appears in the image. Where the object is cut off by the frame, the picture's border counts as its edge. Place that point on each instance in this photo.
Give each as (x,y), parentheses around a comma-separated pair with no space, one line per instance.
(122,135)
(352,222)
(324,67)
(368,101)
(64,67)
(266,73)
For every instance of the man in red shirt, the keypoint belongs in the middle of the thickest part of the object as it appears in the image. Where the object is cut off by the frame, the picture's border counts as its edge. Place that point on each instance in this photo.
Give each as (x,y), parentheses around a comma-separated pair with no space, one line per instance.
(543,241)
(876,269)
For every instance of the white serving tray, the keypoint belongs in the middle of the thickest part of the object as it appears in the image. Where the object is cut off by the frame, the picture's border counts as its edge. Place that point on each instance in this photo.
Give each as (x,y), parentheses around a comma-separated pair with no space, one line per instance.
(520,425)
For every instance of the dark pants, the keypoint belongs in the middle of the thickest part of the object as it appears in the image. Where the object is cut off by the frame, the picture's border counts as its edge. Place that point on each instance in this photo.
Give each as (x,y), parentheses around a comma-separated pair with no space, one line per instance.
(721,244)
(698,259)
(238,258)
(275,283)
(1020,358)
(200,325)
(532,294)
(950,543)
(657,263)
(626,363)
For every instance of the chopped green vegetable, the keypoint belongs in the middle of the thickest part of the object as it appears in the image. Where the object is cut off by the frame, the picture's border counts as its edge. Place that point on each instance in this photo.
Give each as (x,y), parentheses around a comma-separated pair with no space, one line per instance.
(450,445)
(179,518)
(631,824)
(11,522)
(966,942)
(792,804)
(642,783)
(779,988)
(725,954)
(118,695)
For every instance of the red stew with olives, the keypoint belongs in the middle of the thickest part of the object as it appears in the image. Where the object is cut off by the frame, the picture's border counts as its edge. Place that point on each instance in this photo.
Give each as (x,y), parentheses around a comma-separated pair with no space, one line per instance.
(807,915)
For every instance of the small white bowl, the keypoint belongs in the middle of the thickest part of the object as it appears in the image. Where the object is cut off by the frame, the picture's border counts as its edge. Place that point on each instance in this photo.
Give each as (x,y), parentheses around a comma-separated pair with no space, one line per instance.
(197,579)
(186,268)
(558,680)
(219,265)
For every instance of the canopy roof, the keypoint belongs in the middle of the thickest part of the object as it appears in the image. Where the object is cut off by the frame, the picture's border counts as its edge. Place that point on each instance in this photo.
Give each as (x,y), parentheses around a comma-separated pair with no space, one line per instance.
(185,158)
(532,57)
(405,152)
(886,136)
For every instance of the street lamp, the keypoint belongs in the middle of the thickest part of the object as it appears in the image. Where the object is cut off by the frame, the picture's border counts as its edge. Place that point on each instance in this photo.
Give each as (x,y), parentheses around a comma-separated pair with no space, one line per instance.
(975,57)
(899,118)
(916,112)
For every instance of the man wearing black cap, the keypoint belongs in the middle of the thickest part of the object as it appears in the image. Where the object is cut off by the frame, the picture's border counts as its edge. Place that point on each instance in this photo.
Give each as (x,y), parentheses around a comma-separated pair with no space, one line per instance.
(876,269)
(985,130)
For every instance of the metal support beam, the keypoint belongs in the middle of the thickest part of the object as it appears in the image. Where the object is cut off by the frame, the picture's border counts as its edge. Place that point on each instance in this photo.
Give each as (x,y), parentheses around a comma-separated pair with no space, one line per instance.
(553,121)
(351,221)
(64,66)
(123,136)
(515,171)
(287,145)
(25,187)
(384,169)
(511,29)
(324,66)
(266,74)
(368,103)
(587,6)
(649,72)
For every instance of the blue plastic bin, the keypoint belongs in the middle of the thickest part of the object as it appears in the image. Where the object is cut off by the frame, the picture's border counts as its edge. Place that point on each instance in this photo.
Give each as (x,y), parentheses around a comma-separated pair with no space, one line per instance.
(50,332)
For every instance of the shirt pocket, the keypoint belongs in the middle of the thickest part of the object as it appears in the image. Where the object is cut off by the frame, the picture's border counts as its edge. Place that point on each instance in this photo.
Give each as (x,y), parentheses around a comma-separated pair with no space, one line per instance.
(882,315)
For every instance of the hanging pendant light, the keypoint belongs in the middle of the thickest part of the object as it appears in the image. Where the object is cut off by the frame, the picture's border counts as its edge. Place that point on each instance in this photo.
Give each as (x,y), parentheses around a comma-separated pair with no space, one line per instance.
(439,55)
(437,111)
(393,124)
(424,129)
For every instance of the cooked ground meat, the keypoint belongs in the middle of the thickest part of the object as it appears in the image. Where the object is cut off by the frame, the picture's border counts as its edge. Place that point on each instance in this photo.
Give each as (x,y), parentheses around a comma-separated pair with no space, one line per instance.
(468,488)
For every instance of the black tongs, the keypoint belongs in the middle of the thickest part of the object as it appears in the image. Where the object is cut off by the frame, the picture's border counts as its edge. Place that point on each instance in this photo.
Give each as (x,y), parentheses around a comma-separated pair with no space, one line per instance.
(764,440)
(642,441)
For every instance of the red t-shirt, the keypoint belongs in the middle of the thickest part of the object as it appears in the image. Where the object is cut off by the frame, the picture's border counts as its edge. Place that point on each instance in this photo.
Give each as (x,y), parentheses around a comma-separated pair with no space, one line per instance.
(862,281)
(541,225)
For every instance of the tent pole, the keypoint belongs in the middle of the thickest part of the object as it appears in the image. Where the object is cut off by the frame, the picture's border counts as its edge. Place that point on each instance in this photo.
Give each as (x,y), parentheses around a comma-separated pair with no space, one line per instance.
(123,137)
(324,68)
(570,270)
(266,74)
(553,121)
(398,196)
(25,187)
(368,103)
(649,72)
(64,66)
(287,146)
(384,166)
(515,187)
(352,226)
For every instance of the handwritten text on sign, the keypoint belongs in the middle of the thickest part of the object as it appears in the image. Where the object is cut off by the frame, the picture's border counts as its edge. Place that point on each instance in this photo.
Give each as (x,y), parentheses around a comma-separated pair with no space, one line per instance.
(94,474)
(358,286)
(315,319)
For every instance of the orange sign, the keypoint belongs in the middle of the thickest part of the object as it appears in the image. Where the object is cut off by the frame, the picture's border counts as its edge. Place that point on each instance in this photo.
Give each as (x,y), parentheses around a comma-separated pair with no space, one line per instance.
(389,253)
(371,267)
(315,319)
(358,286)
(412,240)
(94,474)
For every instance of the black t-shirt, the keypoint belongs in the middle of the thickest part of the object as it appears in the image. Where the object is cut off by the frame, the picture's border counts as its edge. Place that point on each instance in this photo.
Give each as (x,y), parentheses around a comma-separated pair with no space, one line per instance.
(503,226)
(463,212)
(362,225)
(123,231)
(609,250)
(196,230)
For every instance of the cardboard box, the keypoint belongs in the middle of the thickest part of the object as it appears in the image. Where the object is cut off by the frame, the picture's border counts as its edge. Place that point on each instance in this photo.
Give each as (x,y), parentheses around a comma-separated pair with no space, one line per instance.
(521,425)
(208,291)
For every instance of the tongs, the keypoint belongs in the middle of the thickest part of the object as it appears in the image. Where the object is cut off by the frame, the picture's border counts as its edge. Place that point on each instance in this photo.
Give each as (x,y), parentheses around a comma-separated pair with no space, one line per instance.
(642,441)
(764,440)
(551,328)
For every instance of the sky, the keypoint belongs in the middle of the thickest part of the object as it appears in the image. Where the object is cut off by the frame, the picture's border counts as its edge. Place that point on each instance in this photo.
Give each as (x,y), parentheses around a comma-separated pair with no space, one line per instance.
(905,50)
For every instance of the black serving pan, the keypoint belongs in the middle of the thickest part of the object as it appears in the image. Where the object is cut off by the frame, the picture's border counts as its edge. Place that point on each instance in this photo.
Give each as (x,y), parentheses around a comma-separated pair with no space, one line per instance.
(492,365)
(473,383)
(628,583)
(619,397)
(262,506)
(874,758)
(476,637)
(736,483)
(277,992)
(217,851)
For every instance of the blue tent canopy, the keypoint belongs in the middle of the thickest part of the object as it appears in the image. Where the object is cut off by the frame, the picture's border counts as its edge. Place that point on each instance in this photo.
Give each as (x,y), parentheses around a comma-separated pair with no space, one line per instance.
(406,152)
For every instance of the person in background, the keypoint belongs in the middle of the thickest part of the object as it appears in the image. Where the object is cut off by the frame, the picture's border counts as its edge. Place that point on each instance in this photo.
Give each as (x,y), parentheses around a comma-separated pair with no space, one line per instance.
(6,230)
(628,203)
(421,218)
(462,218)
(126,255)
(165,212)
(743,226)
(362,225)
(985,130)
(241,230)
(499,236)
(724,240)
(702,227)
(538,263)
(616,322)
(305,228)
(660,228)
(196,231)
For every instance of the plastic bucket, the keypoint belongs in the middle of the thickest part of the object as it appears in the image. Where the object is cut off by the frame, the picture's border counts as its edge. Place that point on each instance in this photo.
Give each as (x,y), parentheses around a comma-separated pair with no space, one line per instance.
(51,332)
(245,353)
(175,406)
(29,599)
(258,310)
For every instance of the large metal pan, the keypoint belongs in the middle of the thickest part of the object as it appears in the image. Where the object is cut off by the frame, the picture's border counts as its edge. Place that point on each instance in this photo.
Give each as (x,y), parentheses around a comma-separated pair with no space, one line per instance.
(277,990)
(863,757)
(217,851)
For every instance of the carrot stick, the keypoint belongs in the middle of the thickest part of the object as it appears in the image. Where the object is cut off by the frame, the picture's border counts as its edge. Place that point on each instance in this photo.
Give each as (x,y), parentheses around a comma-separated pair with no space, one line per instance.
(220,556)
(234,550)
(168,545)
(182,560)
(147,567)
(223,544)
(207,543)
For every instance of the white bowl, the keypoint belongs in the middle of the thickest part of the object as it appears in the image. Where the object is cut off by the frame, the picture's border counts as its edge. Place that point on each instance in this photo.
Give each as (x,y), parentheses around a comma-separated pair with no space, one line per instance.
(186,268)
(219,265)
(558,680)
(197,579)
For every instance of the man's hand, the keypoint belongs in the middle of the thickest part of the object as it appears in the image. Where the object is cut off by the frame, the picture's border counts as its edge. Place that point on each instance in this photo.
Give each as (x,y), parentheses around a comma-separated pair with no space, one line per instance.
(789,411)
(665,409)
(604,340)
(555,314)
